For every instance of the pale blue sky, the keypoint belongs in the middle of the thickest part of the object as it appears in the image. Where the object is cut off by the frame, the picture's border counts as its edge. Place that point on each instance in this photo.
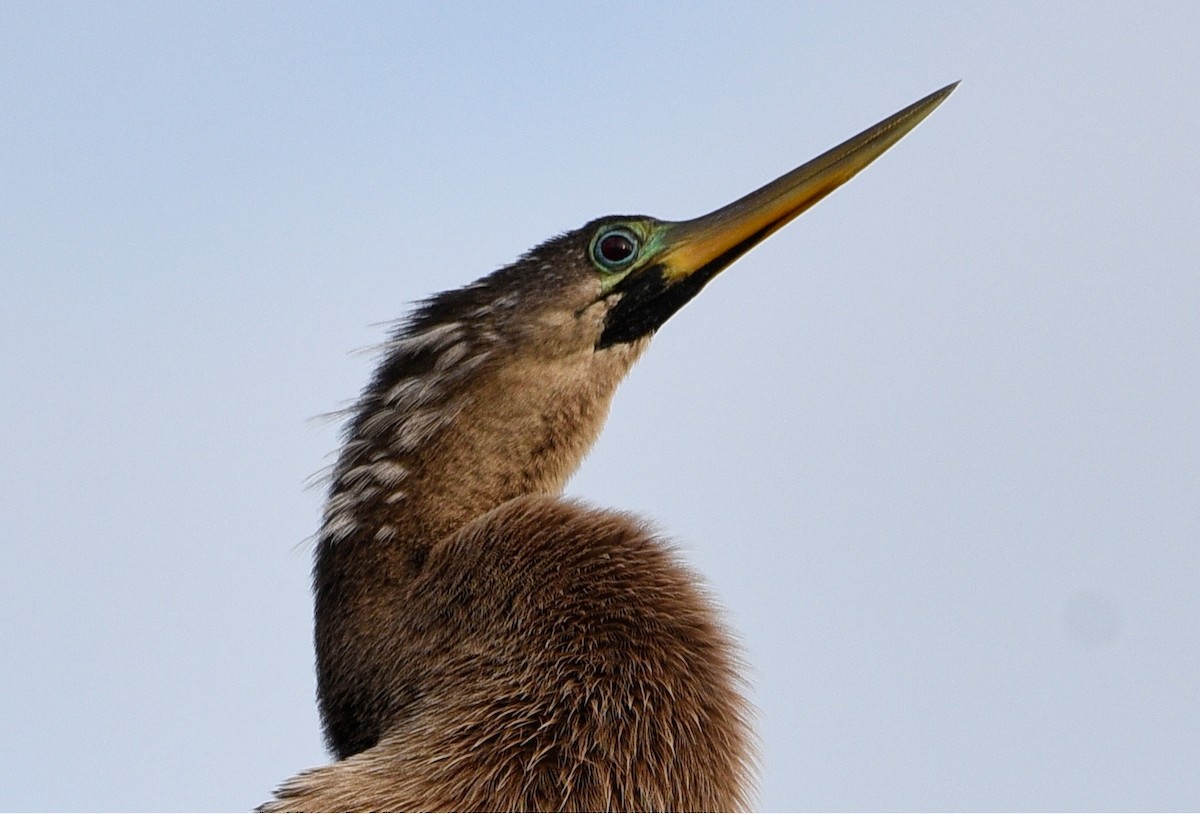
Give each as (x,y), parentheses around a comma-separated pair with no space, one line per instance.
(936,446)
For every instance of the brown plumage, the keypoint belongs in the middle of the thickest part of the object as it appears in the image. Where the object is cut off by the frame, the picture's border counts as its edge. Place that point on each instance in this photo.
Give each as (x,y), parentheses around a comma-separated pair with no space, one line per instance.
(483,643)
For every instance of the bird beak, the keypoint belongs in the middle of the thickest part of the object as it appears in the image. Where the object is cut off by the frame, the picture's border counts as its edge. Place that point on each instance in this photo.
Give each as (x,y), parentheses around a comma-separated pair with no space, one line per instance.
(687,254)
(708,244)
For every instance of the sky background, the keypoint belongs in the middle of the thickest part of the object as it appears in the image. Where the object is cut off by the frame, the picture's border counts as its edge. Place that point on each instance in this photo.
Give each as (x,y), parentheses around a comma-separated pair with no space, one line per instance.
(935,446)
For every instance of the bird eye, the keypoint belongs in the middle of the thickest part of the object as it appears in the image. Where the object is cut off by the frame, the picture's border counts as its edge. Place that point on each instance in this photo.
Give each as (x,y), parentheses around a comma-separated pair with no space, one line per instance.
(615,248)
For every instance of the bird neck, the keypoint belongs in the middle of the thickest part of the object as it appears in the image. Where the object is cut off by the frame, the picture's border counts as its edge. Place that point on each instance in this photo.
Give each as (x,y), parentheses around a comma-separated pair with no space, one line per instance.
(455,423)
(433,446)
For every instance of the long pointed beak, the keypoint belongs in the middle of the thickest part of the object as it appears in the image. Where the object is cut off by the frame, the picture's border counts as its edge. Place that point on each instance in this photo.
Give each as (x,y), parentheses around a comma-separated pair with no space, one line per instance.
(685,255)
(710,243)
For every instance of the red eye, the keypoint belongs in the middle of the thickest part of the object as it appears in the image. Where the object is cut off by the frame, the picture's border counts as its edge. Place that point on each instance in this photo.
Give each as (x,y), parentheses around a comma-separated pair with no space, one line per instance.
(615,248)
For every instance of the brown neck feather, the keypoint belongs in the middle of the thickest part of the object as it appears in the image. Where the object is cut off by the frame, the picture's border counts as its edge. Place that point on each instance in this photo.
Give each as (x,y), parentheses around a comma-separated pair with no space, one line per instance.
(433,445)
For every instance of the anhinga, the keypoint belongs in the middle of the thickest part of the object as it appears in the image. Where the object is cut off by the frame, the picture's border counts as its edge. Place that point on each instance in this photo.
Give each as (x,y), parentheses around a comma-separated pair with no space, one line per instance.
(483,643)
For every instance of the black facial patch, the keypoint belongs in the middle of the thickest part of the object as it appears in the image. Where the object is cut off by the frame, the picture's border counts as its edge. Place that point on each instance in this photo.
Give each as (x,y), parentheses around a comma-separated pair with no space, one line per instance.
(648,300)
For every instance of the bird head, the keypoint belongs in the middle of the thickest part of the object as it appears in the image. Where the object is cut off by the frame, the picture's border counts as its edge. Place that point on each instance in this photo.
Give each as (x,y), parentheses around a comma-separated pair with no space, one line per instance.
(619,278)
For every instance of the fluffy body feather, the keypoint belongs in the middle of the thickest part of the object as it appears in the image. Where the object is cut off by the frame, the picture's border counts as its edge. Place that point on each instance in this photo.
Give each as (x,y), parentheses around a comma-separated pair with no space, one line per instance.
(482,643)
